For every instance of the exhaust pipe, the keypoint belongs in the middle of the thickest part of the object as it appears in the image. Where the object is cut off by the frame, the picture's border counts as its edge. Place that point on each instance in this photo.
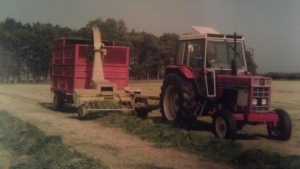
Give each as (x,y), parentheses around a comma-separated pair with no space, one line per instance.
(233,62)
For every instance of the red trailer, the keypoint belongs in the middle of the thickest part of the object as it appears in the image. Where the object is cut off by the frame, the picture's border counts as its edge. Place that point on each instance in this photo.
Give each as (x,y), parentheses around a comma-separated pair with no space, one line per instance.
(72,70)
(72,66)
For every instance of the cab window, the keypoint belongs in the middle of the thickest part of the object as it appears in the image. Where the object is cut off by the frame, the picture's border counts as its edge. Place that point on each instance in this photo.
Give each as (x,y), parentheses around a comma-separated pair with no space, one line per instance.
(194,52)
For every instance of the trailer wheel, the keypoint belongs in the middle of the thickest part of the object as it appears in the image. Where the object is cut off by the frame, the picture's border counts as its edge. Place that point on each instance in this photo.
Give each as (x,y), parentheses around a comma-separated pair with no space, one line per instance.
(177,102)
(142,112)
(224,125)
(58,101)
(283,130)
(82,112)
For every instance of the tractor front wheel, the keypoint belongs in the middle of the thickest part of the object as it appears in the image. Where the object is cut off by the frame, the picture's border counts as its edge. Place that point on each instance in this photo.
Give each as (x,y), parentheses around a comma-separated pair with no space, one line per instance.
(224,125)
(283,129)
(177,102)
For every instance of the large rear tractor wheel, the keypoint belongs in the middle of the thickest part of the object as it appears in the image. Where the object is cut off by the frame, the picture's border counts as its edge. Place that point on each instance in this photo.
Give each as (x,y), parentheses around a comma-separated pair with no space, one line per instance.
(177,102)
(224,125)
(58,101)
(82,112)
(283,130)
(142,112)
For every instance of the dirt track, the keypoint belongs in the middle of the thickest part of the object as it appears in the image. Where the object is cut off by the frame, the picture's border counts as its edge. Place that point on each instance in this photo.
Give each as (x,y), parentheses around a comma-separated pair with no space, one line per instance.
(115,148)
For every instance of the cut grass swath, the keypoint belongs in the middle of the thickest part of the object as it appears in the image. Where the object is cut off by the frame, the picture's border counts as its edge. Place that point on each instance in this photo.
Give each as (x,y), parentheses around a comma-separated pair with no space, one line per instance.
(42,151)
(191,141)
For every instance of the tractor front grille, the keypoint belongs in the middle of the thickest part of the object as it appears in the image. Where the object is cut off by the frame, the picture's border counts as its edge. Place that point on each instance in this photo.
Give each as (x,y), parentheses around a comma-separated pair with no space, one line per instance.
(261,93)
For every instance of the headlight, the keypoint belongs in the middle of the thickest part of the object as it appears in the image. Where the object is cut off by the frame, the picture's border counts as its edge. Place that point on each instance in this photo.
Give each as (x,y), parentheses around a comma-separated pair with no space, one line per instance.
(254,102)
(264,101)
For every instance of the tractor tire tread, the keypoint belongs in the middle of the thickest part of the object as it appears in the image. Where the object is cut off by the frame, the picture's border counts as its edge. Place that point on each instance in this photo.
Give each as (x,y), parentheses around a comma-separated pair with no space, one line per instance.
(185,118)
(285,119)
(231,132)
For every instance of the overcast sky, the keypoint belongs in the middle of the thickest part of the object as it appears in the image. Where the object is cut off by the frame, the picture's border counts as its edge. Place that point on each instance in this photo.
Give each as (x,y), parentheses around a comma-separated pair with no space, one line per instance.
(271,27)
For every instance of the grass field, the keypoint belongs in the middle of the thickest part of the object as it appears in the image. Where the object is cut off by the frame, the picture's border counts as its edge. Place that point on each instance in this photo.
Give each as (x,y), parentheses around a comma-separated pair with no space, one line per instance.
(252,149)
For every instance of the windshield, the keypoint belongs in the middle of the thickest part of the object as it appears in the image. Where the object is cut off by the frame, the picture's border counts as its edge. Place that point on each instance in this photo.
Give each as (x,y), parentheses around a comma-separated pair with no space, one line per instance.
(220,53)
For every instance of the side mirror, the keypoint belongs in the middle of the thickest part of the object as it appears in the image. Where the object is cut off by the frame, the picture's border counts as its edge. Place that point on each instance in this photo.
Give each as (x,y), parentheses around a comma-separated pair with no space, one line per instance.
(250,51)
(190,48)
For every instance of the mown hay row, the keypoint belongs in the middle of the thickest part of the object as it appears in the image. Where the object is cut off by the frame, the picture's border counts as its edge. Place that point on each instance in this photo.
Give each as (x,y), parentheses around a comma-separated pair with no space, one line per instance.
(40,150)
(191,141)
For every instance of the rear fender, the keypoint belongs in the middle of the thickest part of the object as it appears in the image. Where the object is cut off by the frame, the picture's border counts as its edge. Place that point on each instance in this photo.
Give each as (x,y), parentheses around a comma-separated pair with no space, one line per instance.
(180,70)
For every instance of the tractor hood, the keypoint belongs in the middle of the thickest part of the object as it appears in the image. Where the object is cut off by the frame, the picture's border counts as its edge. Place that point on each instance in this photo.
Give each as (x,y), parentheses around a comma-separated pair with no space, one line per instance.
(243,80)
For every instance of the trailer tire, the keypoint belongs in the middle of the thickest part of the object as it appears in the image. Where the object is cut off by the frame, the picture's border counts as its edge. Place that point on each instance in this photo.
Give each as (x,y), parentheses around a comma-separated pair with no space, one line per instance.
(177,102)
(58,101)
(82,112)
(224,125)
(142,112)
(283,130)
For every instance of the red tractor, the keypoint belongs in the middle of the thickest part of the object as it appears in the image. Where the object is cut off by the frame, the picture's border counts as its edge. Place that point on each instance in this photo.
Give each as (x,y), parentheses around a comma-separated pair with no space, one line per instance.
(210,78)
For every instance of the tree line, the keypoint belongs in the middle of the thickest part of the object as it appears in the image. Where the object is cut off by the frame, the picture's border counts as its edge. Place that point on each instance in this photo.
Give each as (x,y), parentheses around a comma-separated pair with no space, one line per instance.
(26,49)
(283,76)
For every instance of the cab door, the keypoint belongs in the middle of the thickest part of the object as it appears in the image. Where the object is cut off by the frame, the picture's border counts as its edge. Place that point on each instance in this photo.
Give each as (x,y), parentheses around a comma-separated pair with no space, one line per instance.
(210,83)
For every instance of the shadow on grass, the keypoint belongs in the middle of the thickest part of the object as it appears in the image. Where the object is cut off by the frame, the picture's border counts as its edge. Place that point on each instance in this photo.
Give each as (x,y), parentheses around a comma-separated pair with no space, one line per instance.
(203,126)
(156,119)
(245,136)
(67,109)
(150,166)
(92,116)
(199,126)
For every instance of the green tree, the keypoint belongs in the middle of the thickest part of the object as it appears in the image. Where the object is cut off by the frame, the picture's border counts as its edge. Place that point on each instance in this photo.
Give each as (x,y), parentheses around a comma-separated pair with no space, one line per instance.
(63,31)
(111,30)
(11,46)
(143,51)
(40,61)
(168,44)
(27,49)
(6,61)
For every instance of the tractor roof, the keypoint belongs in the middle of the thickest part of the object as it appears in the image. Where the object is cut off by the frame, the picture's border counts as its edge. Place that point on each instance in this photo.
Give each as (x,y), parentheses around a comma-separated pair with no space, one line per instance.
(204,30)
(207,33)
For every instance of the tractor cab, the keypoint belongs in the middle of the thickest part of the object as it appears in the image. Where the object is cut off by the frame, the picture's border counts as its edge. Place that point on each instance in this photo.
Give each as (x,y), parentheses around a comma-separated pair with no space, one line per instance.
(211,50)
(208,54)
